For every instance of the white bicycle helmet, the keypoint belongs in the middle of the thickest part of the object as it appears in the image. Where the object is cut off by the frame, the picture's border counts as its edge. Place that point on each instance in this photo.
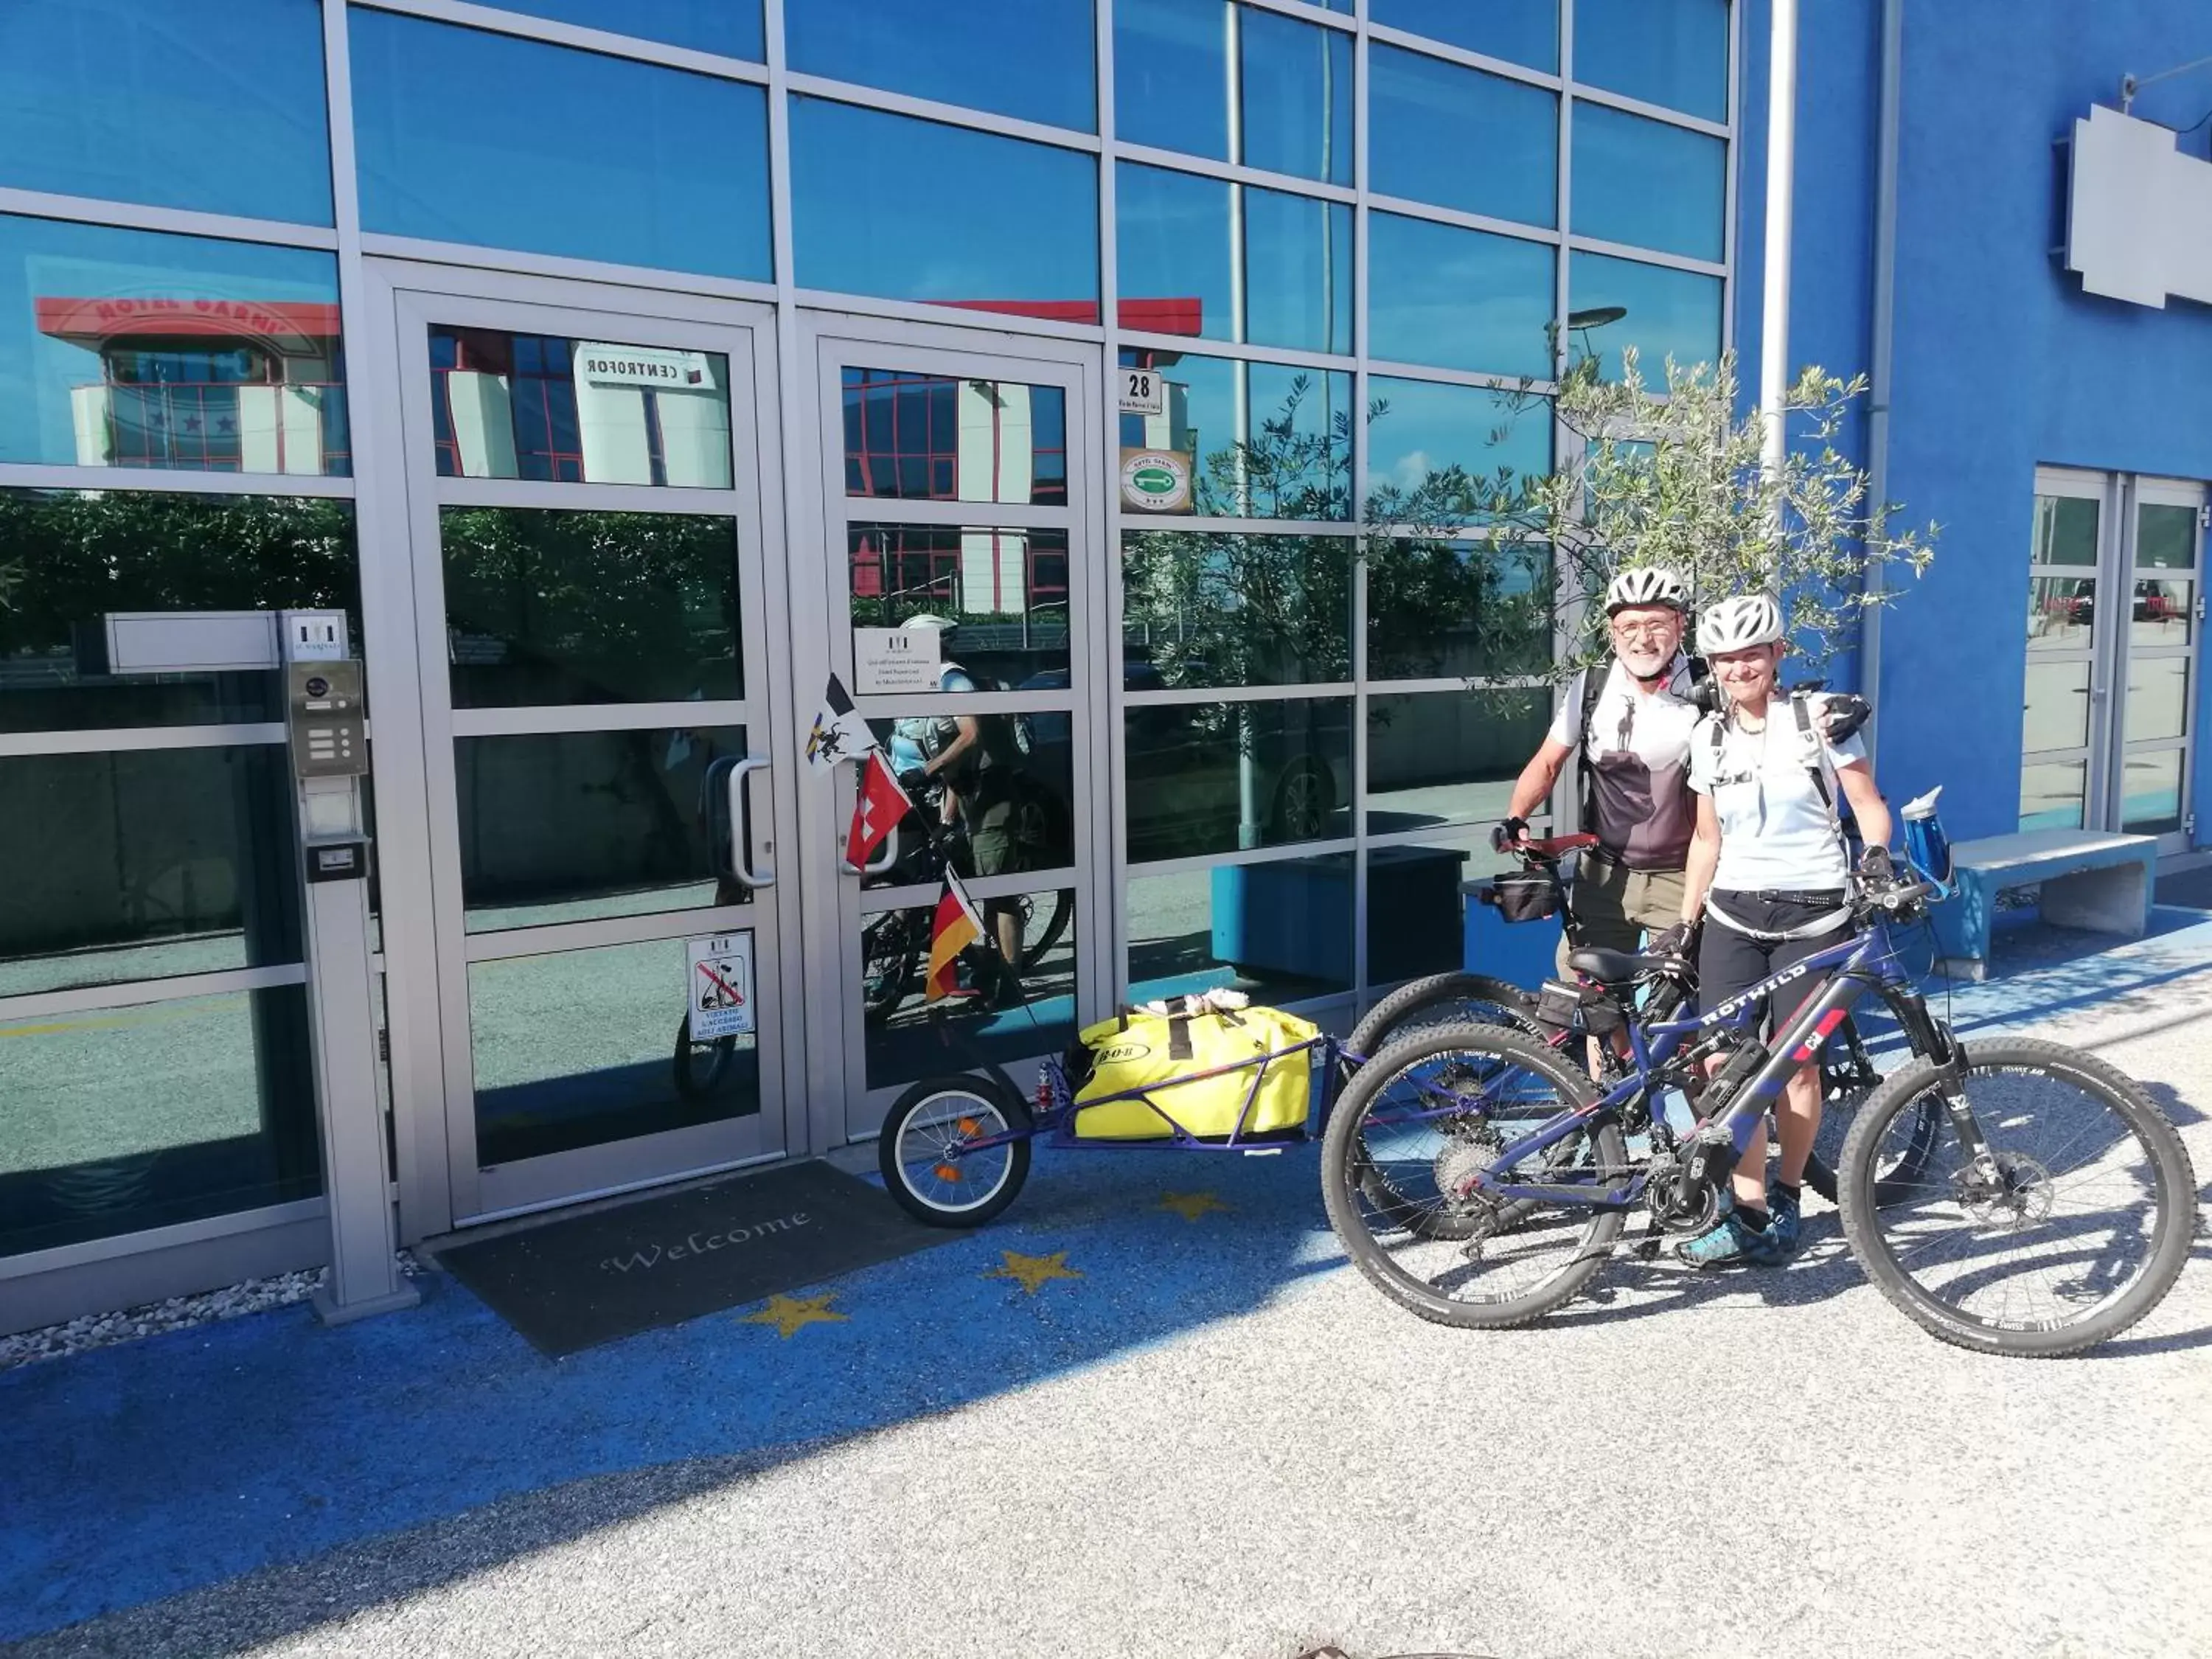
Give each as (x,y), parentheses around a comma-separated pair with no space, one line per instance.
(1647,585)
(1739,624)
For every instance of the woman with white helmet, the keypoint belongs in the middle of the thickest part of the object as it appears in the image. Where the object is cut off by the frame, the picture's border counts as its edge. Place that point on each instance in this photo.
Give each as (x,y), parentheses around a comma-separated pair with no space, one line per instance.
(1768,873)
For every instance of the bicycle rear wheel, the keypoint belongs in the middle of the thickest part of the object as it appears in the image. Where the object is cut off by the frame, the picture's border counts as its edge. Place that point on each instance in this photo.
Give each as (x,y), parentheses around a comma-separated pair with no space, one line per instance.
(1453,998)
(1417,1124)
(2073,1228)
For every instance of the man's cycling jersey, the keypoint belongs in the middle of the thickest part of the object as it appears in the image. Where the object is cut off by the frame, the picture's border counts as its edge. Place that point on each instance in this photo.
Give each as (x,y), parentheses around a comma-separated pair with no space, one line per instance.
(1637,756)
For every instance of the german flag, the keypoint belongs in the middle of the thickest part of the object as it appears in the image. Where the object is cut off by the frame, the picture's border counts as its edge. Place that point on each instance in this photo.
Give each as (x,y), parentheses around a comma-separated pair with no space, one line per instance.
(957,927)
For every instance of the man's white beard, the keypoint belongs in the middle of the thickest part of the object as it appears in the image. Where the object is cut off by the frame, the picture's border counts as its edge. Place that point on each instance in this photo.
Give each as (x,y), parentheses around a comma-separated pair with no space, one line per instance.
(1646,662)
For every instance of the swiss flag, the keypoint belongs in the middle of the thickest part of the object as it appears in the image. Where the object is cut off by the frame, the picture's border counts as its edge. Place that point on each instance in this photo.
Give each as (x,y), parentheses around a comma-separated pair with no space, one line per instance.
(876,813)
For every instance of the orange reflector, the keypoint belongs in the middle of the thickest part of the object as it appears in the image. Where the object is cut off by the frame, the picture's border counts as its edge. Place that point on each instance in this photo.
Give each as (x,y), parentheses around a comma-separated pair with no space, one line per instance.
(969,1126)
(947,1172)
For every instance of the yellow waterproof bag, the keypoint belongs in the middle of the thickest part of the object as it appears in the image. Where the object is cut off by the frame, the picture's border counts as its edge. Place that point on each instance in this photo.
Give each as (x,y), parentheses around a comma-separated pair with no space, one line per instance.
(1210,1074)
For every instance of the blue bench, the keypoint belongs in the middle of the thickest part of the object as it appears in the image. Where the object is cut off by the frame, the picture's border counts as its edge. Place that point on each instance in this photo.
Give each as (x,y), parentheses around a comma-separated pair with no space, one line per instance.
(2089,879)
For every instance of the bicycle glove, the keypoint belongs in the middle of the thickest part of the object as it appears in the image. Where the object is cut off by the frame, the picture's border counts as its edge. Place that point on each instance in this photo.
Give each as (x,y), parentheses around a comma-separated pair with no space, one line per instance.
(1674,942)
(1844,714)
(1875,865)
(1513,829)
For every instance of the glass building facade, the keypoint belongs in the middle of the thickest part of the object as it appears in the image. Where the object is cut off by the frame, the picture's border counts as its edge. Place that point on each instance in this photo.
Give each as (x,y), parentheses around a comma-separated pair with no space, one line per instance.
(618,369)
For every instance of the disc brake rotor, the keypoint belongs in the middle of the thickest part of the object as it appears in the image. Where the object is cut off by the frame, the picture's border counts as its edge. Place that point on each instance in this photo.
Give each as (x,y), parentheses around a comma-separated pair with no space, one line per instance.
(2021,1194)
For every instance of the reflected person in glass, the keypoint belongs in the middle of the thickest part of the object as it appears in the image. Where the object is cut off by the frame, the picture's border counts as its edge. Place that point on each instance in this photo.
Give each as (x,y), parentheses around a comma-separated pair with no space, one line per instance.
(975,760)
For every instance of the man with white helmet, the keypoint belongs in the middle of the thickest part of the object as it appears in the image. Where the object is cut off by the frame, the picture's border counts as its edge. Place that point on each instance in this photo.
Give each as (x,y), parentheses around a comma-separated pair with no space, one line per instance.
(1629,721)
(1769,872)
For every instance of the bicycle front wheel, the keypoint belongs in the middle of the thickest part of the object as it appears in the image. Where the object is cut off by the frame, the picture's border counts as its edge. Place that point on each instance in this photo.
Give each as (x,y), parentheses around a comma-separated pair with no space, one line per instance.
(2073,1226)
(1417,1124)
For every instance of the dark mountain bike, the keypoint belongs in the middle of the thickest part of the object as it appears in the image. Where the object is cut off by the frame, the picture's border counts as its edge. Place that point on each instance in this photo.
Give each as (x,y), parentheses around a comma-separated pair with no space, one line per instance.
(1478,1178)
(1538,891)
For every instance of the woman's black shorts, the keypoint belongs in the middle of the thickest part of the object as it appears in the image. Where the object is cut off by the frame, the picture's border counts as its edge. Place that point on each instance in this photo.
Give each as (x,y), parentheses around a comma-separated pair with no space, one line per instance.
(1730,962)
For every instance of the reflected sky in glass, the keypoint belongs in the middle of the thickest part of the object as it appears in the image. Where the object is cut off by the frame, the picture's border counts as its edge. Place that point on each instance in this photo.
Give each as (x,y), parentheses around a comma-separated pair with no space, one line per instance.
(1426,428)
(1426,116)
(1033,59)
(215,104)
(871,213)
(730,27)
(1519,31)
(1172,85)
(1669,312)
(1674,52)
(458,142)
(1458,299)
(73,297)
(1647,184)
(1174,242)
(1297,434)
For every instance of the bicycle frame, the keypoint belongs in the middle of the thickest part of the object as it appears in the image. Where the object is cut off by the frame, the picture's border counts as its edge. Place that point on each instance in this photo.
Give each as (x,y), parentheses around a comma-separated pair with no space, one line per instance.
(1860,963)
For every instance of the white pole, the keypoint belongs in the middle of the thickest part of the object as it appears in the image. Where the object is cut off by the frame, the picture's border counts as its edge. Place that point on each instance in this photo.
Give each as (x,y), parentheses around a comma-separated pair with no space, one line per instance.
(1781,173)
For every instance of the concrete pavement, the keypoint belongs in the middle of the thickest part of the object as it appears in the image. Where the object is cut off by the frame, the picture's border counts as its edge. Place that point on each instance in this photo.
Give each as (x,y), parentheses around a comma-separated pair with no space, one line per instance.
(1195,1435)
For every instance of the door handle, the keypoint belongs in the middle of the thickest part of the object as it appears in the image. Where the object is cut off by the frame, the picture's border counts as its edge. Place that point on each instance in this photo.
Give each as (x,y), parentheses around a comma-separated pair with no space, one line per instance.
(882,861)
(740,801)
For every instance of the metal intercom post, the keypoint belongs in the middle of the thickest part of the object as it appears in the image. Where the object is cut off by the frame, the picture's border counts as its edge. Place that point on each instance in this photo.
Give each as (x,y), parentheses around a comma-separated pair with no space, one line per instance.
(326,720)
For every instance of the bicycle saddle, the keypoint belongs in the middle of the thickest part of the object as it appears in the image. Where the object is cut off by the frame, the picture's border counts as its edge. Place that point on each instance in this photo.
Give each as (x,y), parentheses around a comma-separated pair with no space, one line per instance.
(1615,967)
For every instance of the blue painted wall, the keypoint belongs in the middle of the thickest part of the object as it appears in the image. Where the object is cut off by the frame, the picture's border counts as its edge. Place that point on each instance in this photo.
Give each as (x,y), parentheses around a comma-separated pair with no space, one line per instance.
(2001,363)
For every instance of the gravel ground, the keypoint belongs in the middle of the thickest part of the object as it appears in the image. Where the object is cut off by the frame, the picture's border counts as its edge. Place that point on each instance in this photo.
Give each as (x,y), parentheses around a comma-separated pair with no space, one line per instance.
(1674,1466)
(91,1331)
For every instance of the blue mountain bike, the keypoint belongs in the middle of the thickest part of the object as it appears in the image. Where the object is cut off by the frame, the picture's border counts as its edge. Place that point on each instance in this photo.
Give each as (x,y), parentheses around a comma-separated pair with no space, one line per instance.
(2012,1195)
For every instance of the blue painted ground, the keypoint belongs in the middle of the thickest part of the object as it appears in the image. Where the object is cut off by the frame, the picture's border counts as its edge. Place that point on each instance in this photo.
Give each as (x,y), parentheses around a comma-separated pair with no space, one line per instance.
(136,1472)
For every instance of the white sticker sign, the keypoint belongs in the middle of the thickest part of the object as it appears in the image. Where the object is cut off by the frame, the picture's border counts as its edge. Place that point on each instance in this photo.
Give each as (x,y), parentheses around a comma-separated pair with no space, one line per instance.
(657,367)
(896,659)
(720,986)
(1156,480)
(1142,392)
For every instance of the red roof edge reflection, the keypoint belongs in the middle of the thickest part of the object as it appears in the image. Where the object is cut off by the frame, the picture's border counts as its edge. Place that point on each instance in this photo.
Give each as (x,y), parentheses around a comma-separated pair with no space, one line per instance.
(1175,316)
(93,323)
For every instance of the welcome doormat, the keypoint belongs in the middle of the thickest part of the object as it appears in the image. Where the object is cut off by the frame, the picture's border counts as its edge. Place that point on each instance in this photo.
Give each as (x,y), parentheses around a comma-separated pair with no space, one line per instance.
(572,1283)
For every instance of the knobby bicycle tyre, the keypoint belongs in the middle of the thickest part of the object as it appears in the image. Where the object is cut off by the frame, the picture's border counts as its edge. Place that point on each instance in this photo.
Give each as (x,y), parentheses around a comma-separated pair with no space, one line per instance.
(2175,1189)
(1487,1001)
(1347,1175)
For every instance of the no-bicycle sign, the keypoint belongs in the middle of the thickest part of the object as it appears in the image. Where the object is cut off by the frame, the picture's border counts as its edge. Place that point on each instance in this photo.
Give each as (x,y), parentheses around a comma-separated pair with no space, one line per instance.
(720,986)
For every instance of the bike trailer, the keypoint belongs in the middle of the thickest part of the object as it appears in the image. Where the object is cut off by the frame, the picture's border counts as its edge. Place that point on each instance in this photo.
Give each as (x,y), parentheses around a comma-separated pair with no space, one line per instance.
(1143,1076)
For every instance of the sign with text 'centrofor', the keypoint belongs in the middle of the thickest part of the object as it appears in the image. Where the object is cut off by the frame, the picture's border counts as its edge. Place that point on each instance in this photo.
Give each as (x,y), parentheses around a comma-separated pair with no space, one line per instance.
(719,984)
(896,659)
(661,368)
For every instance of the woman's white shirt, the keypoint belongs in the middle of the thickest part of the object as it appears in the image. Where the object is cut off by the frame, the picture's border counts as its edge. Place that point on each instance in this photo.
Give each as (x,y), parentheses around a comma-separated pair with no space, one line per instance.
(1777,834)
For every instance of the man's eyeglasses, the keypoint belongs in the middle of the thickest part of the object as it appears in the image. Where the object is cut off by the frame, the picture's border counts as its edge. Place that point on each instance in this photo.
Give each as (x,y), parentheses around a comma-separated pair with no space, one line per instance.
(1642,630)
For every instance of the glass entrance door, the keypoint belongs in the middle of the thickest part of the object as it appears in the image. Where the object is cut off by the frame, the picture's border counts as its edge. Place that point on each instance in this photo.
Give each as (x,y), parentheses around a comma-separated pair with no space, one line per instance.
(2114,628)
(965,600)
(604,746)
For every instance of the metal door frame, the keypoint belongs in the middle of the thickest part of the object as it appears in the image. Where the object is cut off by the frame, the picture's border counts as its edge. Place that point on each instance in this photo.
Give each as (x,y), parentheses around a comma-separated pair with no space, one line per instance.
(2136,493)
(841,1108)
(426,948)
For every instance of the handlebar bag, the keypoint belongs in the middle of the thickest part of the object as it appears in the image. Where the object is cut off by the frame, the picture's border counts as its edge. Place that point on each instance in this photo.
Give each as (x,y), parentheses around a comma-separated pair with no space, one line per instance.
(1523,895)
(1147,1075)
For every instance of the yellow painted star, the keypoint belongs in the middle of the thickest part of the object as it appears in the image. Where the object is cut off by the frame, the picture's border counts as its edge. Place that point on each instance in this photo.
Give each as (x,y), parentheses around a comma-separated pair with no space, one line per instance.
(1191,1205)
(1032,1272)
(788,1314)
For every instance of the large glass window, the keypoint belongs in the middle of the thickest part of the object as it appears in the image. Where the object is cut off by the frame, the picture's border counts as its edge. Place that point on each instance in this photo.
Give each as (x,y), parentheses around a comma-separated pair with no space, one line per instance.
(1280,932)
(1181,235)
(578,411)
(1458,299)
(1438,757)
(145,864)
(1425,118)
(1266,440)
(1647,184)
(920,437)
(117,1119)
(1520,31)
(1432,449)
(1660,311)
(548,607)
(1674,52)
(1033,59)
(1286,108)
(730,27)
(68,560)
(1438,607)
(1228,608)
(1005,591)
(910,210)
(1213,777)
(131,348)
(469,136)
(215,104)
